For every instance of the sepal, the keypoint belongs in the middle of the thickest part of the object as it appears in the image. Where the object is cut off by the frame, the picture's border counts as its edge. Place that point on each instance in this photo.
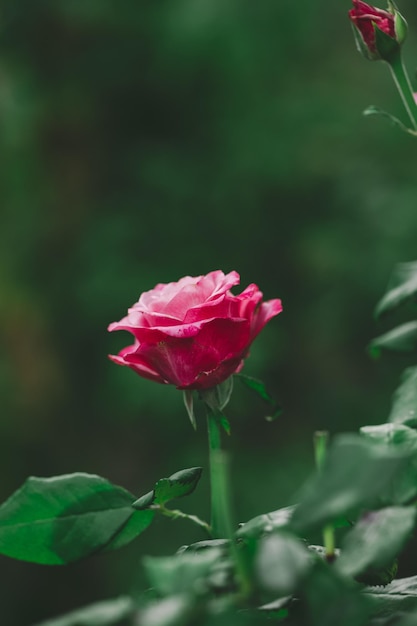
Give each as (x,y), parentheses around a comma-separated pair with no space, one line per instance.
(217,398)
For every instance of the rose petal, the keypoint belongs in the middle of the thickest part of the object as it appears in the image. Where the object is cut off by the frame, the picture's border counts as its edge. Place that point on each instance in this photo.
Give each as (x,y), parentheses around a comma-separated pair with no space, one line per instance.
(221,306)
(182,361)
(266,311)
(141,368)
(207,288)
(221,283)
(159,297)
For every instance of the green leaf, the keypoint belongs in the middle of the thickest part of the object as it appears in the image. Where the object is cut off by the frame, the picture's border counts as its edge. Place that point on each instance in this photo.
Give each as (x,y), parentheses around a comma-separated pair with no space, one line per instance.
(405,437)
(172,611)
(399,595)
(176,486)
(376,539)
(187,572)
(404,407)
(281,563)
(390,433)
(144,502)
(379,576)
(221,576)
(233,616)
(330,599)
(206,544)
(401,288)
(224,423)
(180,484)
(408,620)
(189,405)
(400,339)
(62,519)
(276,605)
(266,523)
(221,420)
(357,474)
(257,386)
(135,525)
(260,389)
(374,110)
(106,613)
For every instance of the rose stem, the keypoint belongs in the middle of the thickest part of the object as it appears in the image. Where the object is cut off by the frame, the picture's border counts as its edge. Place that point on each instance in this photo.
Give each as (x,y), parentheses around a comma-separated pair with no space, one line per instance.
(177,514)
(320,448)
(218,522)
(221,511)
(402,81)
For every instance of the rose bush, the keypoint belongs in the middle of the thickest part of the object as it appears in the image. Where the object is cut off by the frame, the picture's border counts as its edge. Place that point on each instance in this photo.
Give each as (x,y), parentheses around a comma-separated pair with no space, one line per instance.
(193,333)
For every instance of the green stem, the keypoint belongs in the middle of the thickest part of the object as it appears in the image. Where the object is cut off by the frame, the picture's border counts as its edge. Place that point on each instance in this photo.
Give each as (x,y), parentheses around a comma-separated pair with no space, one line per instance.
(218,523)
(321,439)
(402,81)
(221,510)
(177,514)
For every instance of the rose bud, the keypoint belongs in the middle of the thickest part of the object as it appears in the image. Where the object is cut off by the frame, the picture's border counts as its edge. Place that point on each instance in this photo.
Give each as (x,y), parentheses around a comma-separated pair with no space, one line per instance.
(378,34)
(194,333)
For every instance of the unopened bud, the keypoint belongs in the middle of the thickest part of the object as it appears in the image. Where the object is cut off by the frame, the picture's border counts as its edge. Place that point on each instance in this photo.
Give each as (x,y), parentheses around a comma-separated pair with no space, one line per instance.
(379,34)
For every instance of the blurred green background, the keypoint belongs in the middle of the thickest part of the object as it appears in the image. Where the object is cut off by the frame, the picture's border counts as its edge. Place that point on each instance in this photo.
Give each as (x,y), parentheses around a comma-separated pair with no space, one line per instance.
(144,140)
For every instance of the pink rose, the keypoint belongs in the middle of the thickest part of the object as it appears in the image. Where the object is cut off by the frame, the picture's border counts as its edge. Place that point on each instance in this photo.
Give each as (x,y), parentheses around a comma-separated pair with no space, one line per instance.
(194,333)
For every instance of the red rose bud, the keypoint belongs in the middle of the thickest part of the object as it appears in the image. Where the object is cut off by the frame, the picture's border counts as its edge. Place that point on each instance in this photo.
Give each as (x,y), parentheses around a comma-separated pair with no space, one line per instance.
(378,34)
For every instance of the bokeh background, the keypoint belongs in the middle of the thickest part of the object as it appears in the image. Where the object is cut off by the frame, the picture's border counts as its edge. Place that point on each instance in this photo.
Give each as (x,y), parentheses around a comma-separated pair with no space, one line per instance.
(144,140)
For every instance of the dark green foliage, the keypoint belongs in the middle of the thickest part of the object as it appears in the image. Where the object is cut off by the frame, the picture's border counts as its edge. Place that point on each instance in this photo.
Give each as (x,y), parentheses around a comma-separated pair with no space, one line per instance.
(374,110)
(268,571)
(401,288)
(266,523)
(178,610)
(282,562)
(399,596)
(184,573)
(260,389)
(289,582)
(329,598)
(225,424)
(357,475)
(180,484)
(400,339)
(58,520)
(106,613)
(134,527)
(144,502)
(376,539)
(390,433)
(404,407)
